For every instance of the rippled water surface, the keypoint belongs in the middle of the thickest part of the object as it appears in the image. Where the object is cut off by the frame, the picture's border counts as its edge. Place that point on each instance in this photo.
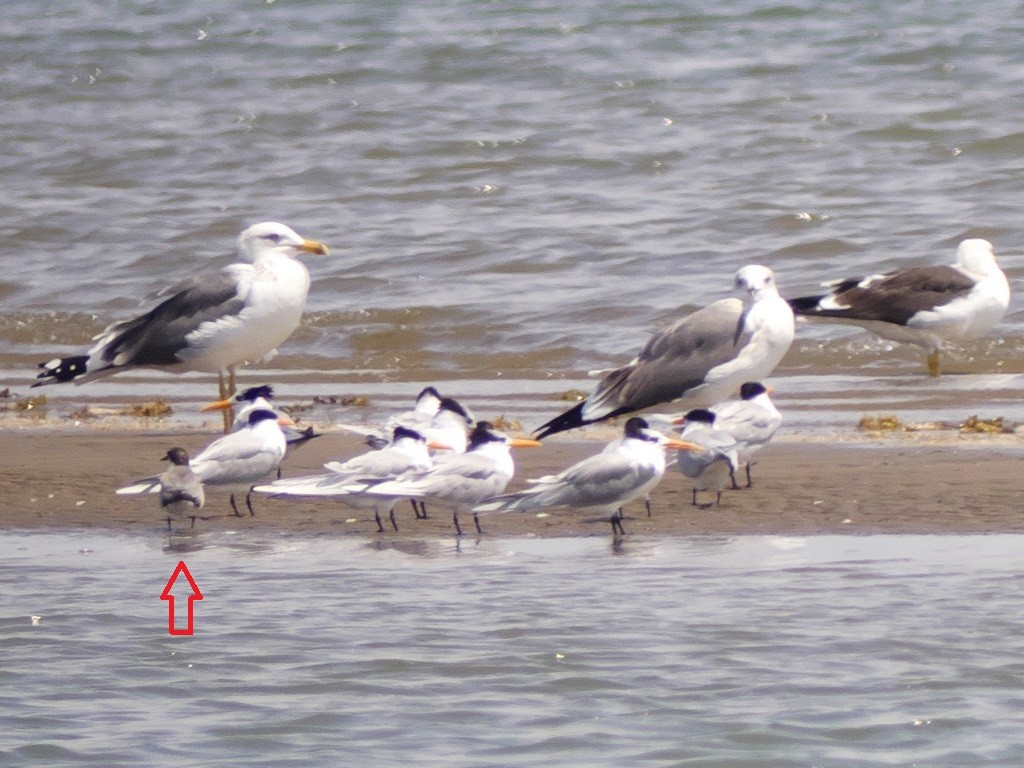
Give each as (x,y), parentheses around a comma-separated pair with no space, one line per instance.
(749,651)
(514,192)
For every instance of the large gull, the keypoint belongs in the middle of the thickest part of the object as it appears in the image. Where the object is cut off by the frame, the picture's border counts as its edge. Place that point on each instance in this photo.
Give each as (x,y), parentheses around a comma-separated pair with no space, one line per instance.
(700,359)
(211,323)
(920,305)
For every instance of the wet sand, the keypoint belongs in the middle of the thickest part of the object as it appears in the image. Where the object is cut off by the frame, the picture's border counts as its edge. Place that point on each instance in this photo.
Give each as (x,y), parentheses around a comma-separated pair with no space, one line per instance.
(852,484)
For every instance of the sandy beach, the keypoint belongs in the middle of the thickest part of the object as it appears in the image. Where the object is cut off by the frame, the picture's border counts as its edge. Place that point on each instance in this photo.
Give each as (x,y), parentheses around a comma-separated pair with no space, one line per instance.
(856,484)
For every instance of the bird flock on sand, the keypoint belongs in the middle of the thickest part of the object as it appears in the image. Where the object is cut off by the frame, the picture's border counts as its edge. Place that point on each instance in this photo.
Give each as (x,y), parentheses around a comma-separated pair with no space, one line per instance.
(713,363)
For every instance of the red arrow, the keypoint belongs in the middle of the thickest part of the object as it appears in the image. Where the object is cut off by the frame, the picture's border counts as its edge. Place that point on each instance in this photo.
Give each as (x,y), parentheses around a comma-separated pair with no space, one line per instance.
(181,570)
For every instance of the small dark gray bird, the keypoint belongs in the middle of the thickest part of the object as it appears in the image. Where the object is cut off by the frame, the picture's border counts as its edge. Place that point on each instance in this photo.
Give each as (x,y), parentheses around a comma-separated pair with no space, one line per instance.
(181,492)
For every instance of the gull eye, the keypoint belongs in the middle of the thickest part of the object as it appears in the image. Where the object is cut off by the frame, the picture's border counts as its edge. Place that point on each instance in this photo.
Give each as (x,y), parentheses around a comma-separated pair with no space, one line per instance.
(272,237)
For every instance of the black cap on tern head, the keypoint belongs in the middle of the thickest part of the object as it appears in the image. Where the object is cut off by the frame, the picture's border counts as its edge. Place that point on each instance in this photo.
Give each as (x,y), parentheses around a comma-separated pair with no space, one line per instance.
(251,394)
(752,389)
(401,432)
(702,415)
(453,405)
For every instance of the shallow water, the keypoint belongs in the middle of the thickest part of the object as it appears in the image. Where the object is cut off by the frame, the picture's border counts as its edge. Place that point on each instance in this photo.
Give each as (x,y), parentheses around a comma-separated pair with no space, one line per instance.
(515,192)
(742,651)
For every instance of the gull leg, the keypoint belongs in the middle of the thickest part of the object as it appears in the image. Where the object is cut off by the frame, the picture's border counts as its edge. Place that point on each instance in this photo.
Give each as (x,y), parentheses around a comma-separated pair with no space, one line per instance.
(193,523)
(455,519)
(933,363)
(647,503)
(228,414)
(694,502)
(750,482)
(732,477)
(394,522)
(232,389)
(248,503)
(168,522)
(476,522)
(234,506)
(376,516)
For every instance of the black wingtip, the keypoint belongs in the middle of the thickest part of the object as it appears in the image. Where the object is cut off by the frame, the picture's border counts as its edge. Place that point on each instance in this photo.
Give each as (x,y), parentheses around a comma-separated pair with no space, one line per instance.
(62,370)
(805,305)
(569,420)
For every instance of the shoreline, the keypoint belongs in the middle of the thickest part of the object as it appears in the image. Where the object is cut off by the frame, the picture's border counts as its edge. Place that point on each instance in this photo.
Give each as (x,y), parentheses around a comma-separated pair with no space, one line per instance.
(913,483)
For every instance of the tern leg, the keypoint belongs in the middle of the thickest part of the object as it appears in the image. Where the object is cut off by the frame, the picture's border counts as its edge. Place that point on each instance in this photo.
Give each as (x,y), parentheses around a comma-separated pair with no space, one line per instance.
(168,522)
(732,477)
(933,363)
(193,523)
(376,516)
(694,502)
(616,521)
(248,503)
(415,508)
(394,522)
(234,506)
(455,519)
(647,503)
(476,522)
(750,482)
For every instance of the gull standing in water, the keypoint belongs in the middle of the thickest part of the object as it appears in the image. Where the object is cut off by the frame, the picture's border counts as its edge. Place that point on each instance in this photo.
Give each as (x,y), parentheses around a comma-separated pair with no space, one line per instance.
(347,480)
(181,492)
(211,323)
(700,359)
(920,305)
(239,459)
(461,481)
(751,421)
(627,469)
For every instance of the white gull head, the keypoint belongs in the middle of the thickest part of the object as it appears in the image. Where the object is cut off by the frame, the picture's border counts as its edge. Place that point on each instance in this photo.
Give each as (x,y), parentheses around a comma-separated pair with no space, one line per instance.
(270,237)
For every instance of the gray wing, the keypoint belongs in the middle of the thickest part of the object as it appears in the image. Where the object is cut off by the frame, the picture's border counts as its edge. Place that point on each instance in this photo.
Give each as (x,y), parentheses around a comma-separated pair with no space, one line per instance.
(604,479)
(894,297)
(238,457)
(746,422)
(179,484)
(158,336)
(463,479)
(718,445)
(674,361)
(384,463)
